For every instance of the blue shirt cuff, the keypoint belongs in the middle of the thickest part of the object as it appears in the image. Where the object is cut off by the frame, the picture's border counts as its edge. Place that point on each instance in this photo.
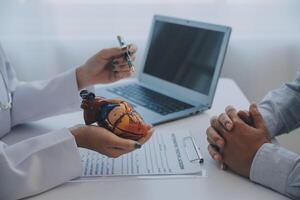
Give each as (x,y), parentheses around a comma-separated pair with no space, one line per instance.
(271,167)
(269,120)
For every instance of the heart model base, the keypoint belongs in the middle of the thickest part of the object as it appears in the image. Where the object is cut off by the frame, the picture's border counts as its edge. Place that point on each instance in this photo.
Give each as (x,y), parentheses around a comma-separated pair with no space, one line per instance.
(116,115)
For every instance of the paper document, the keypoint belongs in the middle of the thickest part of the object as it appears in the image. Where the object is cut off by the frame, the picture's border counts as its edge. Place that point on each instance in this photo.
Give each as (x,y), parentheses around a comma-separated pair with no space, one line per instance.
(166,153)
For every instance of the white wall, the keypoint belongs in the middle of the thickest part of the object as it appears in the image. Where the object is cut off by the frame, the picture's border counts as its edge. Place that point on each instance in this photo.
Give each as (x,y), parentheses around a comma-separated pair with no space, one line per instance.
(45,37)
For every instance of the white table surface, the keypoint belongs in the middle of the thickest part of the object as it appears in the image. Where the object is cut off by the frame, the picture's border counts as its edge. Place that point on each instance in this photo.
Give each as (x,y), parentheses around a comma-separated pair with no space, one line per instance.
(218,184)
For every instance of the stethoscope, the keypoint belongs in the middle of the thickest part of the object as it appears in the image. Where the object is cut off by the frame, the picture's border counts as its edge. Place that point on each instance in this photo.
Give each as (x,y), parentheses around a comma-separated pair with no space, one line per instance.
(5,105)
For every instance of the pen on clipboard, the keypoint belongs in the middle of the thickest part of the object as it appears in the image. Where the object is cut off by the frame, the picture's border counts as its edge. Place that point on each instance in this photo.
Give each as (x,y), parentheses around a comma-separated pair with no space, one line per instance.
(201,159)
(127,54)
(193,152)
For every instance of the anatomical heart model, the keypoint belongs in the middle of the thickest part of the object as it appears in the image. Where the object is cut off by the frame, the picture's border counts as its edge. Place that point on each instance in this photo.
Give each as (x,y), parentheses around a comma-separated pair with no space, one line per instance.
(116,115)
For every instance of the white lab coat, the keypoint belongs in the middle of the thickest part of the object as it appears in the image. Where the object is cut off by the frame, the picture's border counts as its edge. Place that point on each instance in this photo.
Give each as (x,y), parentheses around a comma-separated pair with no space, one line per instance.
(39,163)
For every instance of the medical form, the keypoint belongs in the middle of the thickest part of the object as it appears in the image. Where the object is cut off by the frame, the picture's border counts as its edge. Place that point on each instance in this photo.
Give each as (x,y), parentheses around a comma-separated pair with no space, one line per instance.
(166,153)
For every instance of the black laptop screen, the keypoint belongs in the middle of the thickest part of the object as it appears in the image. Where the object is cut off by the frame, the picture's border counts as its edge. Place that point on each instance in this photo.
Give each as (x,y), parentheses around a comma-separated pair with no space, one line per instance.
(184,55)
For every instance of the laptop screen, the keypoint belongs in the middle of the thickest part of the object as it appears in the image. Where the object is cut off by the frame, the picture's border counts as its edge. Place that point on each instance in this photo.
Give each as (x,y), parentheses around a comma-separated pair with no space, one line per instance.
(184,55)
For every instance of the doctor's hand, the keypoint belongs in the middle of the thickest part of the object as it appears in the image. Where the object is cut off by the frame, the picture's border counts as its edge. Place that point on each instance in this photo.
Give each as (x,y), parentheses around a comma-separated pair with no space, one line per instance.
(107,66)
(103,141)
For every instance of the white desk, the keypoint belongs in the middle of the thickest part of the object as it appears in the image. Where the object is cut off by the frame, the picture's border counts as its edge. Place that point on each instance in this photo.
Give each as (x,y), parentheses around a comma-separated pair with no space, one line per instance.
(217,185)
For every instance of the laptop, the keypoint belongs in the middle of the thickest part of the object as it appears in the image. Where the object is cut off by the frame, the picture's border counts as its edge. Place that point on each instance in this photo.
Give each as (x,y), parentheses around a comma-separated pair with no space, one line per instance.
(179,72)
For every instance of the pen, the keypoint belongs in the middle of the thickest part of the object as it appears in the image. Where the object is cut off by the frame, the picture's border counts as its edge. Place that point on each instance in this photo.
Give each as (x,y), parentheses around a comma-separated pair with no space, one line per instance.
(201,159)
(126,55)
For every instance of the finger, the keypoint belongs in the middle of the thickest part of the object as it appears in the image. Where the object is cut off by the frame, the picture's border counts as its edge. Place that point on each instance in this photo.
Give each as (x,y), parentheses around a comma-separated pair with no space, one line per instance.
(211,142)
(147,137)
(133,57)
(121,75)
(114,153)
(226,121)
(122,68)
(123,144)
(218,126)
(258,120)
(247,112)
(117,152)
(119,61)
(122,61)
(214,153)
(132,48)
(118,75)
(114,52)
(231,112)
(215,137)
(245,116)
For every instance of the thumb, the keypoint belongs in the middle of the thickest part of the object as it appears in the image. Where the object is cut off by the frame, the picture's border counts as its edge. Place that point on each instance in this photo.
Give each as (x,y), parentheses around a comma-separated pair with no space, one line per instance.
(245,116)
(256,116)
(147,136)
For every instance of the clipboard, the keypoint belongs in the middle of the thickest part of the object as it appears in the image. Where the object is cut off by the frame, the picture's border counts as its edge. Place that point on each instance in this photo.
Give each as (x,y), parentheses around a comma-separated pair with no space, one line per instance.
(167,153)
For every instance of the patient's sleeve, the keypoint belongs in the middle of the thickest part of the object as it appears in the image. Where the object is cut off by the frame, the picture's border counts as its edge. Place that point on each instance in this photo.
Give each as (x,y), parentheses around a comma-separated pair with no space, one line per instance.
(281,108)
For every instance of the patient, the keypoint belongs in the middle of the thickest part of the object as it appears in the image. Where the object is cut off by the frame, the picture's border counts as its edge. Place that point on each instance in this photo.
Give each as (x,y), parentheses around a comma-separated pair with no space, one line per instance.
(241,140)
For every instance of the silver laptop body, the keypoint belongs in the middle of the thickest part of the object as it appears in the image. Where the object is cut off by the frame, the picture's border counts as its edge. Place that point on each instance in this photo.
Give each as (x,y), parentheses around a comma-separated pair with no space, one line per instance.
(181,65)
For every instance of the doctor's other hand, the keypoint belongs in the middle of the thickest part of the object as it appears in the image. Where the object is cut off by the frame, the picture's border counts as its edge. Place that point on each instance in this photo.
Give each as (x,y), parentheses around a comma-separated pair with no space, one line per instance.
(105,142)
(107,66)
(240,143)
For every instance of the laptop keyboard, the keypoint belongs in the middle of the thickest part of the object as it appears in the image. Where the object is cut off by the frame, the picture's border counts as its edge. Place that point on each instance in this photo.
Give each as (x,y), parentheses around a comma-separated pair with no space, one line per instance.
(150,99)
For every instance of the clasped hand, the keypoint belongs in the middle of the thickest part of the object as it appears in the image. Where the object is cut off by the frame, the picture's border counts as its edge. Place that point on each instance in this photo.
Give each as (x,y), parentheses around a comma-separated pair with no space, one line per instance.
(235,137)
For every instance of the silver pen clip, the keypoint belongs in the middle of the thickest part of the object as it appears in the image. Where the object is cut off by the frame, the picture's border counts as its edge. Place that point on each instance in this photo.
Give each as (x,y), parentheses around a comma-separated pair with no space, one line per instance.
(127,54)
(192,150)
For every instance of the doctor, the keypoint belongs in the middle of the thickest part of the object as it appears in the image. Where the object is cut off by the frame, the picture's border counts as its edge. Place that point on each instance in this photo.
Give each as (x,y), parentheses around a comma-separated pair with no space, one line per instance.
(40,163)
